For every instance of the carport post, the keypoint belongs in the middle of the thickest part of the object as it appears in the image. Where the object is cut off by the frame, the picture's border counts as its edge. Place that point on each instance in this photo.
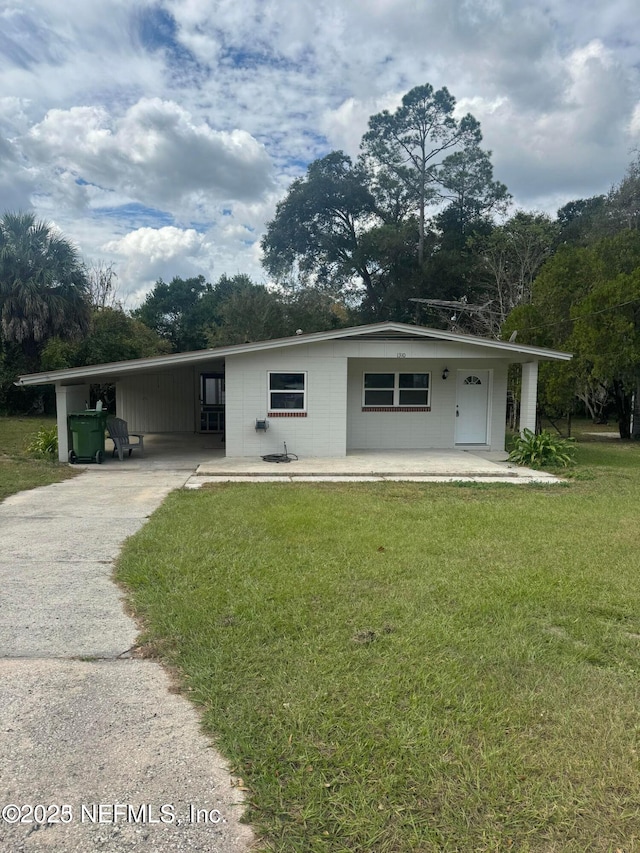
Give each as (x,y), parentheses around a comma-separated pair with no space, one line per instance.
(529,396)
(69,398)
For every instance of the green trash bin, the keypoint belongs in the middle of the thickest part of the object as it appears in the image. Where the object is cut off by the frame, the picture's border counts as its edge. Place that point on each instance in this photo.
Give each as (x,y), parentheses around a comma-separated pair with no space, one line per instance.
(87,432)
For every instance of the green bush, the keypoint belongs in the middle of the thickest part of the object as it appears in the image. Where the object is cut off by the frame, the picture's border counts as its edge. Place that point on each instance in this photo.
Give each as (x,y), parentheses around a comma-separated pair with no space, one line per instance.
(543,449)
(44,444)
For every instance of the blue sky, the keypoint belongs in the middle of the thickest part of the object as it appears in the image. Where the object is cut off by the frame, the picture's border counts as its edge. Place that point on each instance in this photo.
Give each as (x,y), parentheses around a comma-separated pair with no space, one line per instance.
(160,135)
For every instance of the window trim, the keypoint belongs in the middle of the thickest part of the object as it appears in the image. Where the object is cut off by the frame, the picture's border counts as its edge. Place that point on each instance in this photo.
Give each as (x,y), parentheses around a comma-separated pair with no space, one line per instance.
(287,412)
(396,405)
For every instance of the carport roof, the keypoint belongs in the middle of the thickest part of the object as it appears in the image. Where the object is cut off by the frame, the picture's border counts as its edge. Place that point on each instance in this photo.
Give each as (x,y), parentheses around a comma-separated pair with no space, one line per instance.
(387,331)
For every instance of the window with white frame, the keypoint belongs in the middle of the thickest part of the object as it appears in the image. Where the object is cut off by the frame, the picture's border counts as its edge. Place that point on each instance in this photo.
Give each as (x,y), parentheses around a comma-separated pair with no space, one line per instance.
(287,392)
(396,390)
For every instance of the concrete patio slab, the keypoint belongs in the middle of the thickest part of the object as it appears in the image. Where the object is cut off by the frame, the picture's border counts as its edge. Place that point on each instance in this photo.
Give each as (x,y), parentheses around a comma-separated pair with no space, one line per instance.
(205,454)
(422,466)
(197,482)
(371,463)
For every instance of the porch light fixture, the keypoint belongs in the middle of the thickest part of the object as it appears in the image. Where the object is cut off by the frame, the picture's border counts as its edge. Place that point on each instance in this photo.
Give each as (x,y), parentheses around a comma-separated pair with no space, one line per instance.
(445,373)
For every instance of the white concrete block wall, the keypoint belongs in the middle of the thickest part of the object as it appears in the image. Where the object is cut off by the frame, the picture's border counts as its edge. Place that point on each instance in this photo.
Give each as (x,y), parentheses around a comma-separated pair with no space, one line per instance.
(321,433)
(394,429)
(421,430)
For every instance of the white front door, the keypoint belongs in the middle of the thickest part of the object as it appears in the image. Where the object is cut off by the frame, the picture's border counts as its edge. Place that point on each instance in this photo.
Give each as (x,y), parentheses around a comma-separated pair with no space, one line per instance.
(472,406)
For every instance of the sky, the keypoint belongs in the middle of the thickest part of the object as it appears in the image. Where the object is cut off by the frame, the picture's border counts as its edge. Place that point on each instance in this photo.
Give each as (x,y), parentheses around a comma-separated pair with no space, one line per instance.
(159,136)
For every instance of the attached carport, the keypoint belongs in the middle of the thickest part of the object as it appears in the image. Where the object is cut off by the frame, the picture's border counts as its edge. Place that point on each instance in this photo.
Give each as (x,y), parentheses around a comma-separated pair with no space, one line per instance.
(174,394)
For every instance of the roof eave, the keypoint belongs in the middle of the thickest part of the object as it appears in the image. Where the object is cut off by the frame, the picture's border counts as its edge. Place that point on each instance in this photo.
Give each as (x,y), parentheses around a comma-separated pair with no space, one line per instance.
(193,357)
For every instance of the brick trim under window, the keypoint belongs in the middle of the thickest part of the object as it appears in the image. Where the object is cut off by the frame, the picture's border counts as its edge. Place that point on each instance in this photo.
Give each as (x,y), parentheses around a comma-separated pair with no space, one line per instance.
(286,393)
(396,408)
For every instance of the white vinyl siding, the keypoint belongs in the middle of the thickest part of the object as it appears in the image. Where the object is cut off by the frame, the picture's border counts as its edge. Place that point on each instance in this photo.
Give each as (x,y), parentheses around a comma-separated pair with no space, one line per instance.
(158,402)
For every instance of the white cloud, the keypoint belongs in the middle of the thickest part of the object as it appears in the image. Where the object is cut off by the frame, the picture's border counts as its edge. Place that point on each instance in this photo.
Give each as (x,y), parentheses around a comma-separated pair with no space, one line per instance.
(574,148)
(147,254)
(345,125)
(158,244)
(155,153)
(17,179)
(634,123)
(121,120)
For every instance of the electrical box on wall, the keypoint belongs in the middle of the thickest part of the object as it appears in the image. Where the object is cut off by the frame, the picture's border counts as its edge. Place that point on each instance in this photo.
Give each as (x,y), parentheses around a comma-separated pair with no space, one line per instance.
(262,425)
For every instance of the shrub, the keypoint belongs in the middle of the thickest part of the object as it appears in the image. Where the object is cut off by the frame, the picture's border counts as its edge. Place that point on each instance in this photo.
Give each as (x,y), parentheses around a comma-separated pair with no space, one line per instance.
(44,444)
(542,449)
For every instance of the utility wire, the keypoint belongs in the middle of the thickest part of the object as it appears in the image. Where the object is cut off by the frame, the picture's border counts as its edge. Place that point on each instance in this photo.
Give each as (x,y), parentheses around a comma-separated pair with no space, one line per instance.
(582,317)
(478,309)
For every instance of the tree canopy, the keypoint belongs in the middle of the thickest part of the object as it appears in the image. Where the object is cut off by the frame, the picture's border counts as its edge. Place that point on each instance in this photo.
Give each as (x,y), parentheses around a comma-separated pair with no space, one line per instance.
(43,283)
(360,230)
(43,294)
(194,314)
(111,336)
(174,312)
(318,228)
(408,148)
(586,300)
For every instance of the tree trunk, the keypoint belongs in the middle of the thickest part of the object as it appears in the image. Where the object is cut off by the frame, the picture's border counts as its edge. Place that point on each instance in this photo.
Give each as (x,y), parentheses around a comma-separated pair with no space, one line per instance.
(635,426)
(623,409)
(369,287)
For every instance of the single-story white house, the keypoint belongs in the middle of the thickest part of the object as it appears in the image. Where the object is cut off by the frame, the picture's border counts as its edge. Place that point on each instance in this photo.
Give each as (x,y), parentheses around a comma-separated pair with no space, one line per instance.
(385,386)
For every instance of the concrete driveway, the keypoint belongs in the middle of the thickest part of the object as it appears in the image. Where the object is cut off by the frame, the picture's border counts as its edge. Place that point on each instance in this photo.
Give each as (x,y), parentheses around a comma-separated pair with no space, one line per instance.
(96,752)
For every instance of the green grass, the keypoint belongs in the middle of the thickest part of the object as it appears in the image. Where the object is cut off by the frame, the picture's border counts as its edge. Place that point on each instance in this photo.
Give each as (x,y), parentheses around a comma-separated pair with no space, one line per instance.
(405,667)
(18,471)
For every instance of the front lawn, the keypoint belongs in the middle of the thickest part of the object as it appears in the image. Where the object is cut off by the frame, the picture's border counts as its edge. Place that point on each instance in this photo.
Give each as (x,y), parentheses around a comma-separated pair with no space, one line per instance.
(18,470)
(405,667)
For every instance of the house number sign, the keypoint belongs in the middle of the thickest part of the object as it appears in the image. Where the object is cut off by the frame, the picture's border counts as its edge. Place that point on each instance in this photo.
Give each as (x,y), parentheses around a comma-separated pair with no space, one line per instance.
(401,355)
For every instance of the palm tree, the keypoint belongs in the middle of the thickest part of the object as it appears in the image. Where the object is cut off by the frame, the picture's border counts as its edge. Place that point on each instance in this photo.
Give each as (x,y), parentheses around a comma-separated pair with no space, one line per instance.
(43,284)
